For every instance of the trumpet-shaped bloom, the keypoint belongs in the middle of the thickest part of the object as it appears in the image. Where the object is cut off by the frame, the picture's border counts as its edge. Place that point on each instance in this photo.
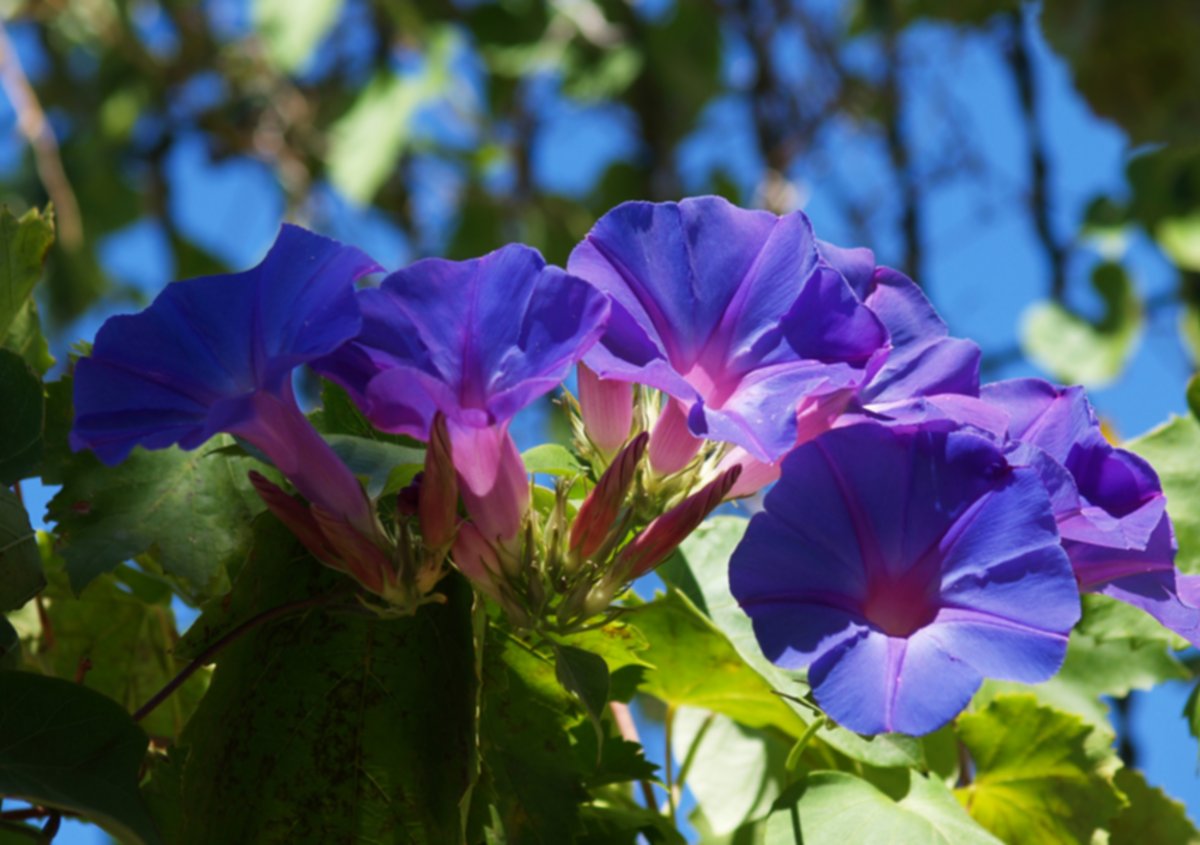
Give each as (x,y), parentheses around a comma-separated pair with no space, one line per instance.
(216,354)
(902,566)
(1109,503)
(477,340)
(729,311)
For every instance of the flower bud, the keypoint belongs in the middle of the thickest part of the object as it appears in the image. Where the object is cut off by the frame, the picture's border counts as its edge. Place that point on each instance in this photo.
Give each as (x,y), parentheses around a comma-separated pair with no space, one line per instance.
(672,445)
(494,483)
(295,514)
(663,535)
(755,474)
(607,409)
(358,554)
(477,559)
(600,509)
(438,498)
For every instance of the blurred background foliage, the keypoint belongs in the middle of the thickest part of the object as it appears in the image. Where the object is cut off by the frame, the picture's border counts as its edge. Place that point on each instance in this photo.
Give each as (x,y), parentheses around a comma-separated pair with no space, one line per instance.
(173,136)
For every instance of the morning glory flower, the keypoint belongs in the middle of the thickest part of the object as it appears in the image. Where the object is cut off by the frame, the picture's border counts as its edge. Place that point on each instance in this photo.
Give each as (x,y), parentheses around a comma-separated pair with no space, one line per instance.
(901,566)
(729,312)
(477,340)
(1109,503)
(927,376)
(216,354)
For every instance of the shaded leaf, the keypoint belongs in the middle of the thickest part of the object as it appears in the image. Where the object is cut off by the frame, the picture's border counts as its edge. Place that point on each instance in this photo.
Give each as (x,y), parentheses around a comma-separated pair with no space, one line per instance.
(71,748)
(26,339)
(345,727)
(126,640)
(190,511)
(584,675)
(386,467)
(10,645)
(1036,778)
(22,420)
(20,562)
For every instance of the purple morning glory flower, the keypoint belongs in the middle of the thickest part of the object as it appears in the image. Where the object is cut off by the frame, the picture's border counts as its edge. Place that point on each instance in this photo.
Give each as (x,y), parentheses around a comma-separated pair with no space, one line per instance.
(1109,503)
(217,353)
(730,312)
(476,340)
(901,566)
(928,376)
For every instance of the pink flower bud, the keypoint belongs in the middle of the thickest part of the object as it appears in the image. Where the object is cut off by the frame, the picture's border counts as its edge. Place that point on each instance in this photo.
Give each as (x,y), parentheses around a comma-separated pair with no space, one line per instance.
(294,514)
(494,483)
(607,409)
(600,509)
(755,474)
(477,559)
(438,498)
(672,445)
(663,535)
(359,555)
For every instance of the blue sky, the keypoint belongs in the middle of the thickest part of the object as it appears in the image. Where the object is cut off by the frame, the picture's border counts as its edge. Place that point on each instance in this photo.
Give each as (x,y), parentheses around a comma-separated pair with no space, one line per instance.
(984,267)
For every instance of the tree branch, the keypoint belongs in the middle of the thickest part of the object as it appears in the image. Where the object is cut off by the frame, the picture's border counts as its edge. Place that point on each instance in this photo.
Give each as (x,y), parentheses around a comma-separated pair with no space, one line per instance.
(32,123)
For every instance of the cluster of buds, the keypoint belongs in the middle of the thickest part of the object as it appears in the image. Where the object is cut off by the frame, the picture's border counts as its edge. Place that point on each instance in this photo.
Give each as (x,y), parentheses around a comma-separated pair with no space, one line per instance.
(558,565)
(561,564)
(399,565)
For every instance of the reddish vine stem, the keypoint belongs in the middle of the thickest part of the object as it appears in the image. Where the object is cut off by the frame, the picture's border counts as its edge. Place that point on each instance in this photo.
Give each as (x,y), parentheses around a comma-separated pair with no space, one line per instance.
(205,657)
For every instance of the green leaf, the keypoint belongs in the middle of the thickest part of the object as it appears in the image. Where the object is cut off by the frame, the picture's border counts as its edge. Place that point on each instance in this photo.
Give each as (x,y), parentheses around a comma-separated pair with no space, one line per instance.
(694,664)
(190,511)
(1172,448)
(386,467)
(344,727)
(1036,778)
(292,31)
(530,757)
(22,421)
(128,643)
(10,646)
(25,338)
(1150,815)
(551,459)
(67,747)
(736,773)
(584,675)
(1074,349)
(366,142)
(20,563)
(1193,395)
(835,808)
(23,247)
(701,572)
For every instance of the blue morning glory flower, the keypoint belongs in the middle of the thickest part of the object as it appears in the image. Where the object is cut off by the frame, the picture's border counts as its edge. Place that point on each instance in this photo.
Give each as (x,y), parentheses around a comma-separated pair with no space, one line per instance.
(476,340)
(216,354)
(901,566)
(730,312)
(1109,503)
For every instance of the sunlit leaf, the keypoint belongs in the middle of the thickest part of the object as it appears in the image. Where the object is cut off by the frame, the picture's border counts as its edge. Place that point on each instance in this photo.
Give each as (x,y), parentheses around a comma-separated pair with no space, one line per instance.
(292,31)
(23,247)
(1036,779)
(835,808)
(1172,449)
